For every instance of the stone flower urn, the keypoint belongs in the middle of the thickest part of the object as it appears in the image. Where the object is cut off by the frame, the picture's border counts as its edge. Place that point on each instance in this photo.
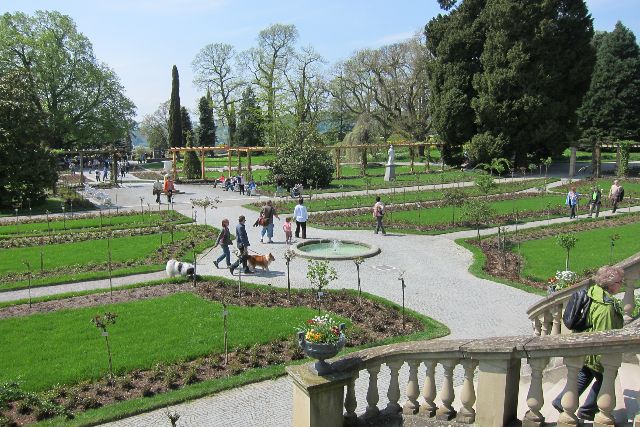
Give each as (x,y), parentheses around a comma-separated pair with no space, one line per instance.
(321,351)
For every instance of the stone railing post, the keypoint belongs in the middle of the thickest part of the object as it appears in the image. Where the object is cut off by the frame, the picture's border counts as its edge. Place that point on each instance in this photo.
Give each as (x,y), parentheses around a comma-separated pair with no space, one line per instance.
(547,322)
(535,398)
(556,314)
(447,394)
(317,401)
(537,326)
(628,301)
(393,393)
(467,414)
(350,402)
(607,395)
(570,397)
(429,389)
(372,392)
(497,402)
(411,406)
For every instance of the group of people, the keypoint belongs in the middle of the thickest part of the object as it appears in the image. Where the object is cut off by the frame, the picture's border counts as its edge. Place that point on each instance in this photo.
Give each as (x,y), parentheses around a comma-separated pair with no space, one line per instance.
(167,187)
(238,183)
(266,221)
(616,194)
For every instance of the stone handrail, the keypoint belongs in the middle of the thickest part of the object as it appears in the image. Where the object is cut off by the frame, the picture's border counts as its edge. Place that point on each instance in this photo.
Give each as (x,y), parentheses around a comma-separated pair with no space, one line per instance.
(546,315)
(319,400)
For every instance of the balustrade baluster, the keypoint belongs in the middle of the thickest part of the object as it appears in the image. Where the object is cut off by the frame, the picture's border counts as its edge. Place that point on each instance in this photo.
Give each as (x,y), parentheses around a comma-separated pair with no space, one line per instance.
(537,326)
(447,394)
(570,397)
(429,389)
(556,313)
(411,406)
(468,395)
(394,387)
(607,395)
(547,321)
(372,392)
(350,402)
(535,398)
(629,301)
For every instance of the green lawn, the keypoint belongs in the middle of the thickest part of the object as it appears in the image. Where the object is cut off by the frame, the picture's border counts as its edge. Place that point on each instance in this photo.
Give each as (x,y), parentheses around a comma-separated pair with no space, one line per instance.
(52,204)
(78,253)
(606,156)
(443,215)
(348,202)
(115,222)
(543,257)
(63,347)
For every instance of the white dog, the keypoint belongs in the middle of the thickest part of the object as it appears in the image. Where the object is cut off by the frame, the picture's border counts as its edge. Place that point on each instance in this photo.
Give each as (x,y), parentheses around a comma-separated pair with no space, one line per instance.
(178,268)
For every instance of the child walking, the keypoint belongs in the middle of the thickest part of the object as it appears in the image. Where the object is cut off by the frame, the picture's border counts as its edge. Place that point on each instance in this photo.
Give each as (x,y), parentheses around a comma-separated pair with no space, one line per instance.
(287,229)
(224,240)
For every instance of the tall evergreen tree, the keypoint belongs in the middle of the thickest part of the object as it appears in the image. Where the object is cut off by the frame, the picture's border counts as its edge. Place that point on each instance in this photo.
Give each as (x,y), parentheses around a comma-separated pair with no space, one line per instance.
(509,75)
(175,120)
(185,124)
(231,126)
(207,128)
(192,165)
(610,110)
(250,121)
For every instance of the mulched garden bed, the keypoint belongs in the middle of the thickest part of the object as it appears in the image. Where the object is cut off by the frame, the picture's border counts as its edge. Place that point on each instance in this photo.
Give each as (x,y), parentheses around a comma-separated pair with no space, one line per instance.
(372,321)
(507,264)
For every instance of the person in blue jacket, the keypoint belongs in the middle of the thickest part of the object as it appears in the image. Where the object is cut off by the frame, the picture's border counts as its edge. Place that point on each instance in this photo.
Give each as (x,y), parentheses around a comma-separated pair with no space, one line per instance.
(243,246)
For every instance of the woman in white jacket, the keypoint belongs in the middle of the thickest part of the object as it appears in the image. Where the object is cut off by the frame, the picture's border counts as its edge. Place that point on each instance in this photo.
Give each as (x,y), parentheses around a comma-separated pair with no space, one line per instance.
(300,214)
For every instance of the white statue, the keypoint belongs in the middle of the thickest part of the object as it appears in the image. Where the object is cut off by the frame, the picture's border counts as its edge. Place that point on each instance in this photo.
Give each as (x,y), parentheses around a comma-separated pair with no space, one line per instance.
(392,155)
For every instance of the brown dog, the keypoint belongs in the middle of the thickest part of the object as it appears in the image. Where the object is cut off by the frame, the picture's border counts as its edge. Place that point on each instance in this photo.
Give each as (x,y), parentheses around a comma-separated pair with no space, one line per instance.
(262,261)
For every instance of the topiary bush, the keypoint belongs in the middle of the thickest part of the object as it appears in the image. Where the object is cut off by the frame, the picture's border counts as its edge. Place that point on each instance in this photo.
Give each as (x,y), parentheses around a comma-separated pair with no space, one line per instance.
(301,160)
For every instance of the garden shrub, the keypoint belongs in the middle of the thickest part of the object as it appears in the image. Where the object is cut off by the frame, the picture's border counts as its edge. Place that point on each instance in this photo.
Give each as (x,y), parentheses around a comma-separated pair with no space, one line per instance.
(301,160)
(483,147)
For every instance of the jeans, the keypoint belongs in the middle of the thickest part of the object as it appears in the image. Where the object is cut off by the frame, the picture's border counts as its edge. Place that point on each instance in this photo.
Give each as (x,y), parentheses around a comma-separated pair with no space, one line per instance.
(301,225)
(585,376)
(379,225)
(268,230)
(226,253)
(573,209)
(594,207)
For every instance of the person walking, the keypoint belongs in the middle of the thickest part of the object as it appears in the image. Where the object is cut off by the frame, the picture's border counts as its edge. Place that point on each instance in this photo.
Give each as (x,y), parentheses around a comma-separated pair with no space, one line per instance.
(286,227)
(616,193)
(243,247)
(572,202)
(595,201)
(241,184)
(224,240)
(157,190)
(605,313)
(267,213)
(378,214)
(301,215)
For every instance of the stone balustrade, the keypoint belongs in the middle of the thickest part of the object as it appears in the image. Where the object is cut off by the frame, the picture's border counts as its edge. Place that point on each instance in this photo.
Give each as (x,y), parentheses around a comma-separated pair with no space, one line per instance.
(546,315)
(489,393)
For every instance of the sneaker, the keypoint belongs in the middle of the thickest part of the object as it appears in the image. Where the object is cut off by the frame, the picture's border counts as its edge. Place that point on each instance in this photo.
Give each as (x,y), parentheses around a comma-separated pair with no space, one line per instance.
(269,241)
(231,269)
(261,240)
(247,272)
(216,264)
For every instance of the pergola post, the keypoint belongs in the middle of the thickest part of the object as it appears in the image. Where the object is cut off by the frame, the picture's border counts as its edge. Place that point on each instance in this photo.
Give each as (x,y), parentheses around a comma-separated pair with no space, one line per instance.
(114,168)
(175,166)
(240,161)
(412,156)
(337,162)
(229,161)
(249,172)
(202,159)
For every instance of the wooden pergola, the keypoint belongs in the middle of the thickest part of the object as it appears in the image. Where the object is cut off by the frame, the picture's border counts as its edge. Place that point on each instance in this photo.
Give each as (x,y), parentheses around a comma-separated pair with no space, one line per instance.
(338,150)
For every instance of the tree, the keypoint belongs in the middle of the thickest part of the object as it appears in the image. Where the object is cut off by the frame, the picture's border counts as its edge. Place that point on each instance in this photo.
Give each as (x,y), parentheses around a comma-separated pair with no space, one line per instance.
(175,118)
(477,212)
(81,100)
(301,160)
(267,63)
(207,128)
(27,168)
(305,84)
(250,121)
(567,242)
(485,183)
(610,110)
(362,134)
(155,127)
(185,124)
(453,197)
(214,68)
(192,165)
(514,72)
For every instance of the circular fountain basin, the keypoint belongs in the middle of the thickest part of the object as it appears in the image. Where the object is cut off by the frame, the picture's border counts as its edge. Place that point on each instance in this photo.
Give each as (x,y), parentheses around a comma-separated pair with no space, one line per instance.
(335,250)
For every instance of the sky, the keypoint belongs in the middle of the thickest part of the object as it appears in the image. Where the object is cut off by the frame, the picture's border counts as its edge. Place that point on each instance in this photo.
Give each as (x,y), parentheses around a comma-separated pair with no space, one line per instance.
(142,39)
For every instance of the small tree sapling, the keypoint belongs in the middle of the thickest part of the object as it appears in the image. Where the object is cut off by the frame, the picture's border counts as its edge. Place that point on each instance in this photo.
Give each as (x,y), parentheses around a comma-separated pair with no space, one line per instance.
(102,322)
(357,262)
(567,242)
(320,274)
(288,257)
